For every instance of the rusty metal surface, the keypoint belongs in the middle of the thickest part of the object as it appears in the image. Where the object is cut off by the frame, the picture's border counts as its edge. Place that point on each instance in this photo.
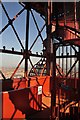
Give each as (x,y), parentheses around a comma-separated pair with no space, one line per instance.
(20,103)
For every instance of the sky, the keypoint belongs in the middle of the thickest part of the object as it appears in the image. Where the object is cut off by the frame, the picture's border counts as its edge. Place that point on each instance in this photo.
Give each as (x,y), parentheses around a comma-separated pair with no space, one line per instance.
(8,38)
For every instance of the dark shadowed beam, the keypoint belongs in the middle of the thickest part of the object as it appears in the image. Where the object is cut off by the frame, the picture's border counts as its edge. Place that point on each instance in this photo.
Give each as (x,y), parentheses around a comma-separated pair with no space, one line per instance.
(48,22)
(79,65)
(11,52)
(21,53)
(79,79)
(26,42)
(51,60)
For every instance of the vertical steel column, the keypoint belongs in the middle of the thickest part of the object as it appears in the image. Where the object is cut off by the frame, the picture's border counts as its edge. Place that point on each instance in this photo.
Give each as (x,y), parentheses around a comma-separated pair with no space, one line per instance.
(66,60)
(56,15)
(53,84)
(62,59)
(51,60)
(79,65)
(48,36)
(70,60)
(51,64)
(75,13)
(64,13)
(26,43)
(79,85)
(59,55)
(53,75)
(75,75)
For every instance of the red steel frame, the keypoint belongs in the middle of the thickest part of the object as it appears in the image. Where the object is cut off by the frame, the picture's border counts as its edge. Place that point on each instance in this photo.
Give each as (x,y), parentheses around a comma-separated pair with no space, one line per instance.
(59,84)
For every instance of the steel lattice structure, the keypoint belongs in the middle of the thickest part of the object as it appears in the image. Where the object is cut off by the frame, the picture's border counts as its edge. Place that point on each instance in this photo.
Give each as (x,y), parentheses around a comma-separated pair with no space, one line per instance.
(60,60)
